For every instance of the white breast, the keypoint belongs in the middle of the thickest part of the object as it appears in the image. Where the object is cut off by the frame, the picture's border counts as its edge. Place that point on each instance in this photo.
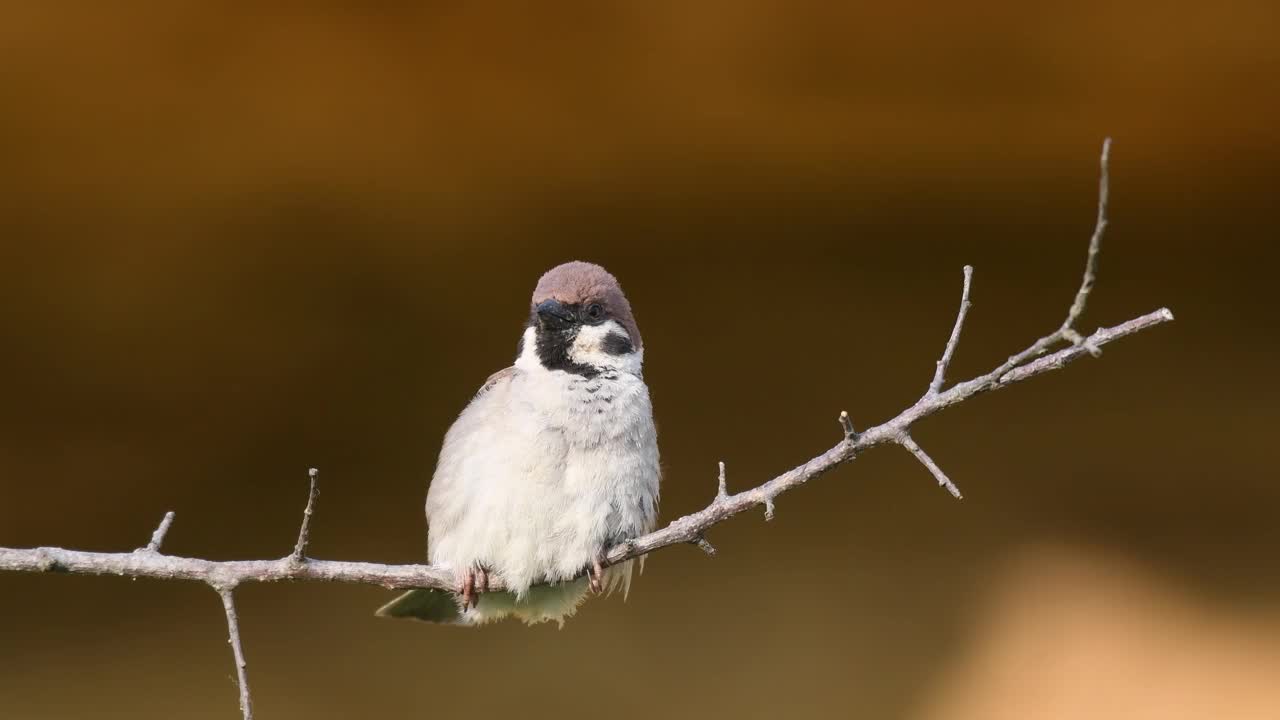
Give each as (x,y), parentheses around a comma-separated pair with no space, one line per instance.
(547,469)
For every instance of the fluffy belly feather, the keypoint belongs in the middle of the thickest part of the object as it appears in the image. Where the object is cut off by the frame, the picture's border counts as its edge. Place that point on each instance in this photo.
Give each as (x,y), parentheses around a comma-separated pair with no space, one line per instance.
(571,469)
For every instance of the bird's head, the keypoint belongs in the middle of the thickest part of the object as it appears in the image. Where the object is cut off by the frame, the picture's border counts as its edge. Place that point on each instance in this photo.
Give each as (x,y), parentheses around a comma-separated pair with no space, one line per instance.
(580,322)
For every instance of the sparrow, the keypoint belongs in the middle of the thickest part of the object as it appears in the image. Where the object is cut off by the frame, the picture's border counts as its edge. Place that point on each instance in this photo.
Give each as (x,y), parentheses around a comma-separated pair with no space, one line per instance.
(554,461)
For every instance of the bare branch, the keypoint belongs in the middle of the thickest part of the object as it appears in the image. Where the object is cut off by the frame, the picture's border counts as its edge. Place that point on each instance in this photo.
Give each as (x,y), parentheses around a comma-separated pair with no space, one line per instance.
(686,529)
(1100,337)
(682,530)
(1067,330)
(172,567)
(224,577)
(237,650)
(944,481)
(936,386)
(157,537)
(304,532)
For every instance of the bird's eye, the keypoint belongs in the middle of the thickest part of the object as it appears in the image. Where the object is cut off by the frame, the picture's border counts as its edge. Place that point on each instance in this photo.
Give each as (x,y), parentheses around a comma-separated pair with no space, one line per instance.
(594,313)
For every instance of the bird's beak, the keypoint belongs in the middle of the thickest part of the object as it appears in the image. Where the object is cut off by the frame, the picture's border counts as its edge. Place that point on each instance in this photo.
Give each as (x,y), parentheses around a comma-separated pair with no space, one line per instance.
(553,314)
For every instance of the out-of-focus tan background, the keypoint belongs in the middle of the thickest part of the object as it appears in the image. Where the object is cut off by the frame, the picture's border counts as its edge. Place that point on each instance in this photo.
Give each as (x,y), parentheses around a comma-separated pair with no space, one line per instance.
(242,239)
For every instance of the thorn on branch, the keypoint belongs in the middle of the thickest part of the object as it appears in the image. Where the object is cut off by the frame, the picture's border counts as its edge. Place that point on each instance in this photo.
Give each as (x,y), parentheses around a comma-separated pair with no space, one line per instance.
(300,549)
(704,546)
(941,370)
(157,537)
(944,481)
(847,425)
(768,509)
(723,491)
(237,650)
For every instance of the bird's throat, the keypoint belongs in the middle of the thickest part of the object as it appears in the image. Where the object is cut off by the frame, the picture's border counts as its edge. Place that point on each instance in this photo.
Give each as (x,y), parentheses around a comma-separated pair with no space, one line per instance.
(553,348)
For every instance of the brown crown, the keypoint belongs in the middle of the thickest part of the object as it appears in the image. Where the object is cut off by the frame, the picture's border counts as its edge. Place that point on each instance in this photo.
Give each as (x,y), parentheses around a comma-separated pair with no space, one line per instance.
(581,283)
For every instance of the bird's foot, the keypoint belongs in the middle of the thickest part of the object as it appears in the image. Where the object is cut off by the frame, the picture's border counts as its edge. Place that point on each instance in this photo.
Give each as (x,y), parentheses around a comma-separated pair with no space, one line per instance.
(474,581)
(596,574)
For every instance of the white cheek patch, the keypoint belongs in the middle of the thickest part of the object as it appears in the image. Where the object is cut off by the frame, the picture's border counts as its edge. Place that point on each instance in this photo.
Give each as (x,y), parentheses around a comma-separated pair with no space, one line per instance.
(589,347)
(590,340)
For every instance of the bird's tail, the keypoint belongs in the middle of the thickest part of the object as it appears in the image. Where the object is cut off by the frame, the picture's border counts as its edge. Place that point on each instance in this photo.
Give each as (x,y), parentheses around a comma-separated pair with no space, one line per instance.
(435,606)
(539,604)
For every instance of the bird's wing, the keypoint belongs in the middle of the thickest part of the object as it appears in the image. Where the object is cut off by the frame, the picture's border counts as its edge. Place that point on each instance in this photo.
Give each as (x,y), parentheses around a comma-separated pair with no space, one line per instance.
(502,376)
(476,464)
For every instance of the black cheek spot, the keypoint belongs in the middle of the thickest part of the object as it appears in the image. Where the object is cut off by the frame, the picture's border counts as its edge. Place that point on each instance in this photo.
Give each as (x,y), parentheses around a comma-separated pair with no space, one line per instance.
(617,344)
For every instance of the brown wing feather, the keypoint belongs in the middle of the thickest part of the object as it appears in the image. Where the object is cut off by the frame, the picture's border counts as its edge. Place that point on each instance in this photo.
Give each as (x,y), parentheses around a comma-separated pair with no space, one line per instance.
(494,379)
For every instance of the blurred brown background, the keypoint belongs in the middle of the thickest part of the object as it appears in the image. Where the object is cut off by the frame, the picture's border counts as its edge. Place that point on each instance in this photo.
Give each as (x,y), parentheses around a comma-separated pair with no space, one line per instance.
(242,239)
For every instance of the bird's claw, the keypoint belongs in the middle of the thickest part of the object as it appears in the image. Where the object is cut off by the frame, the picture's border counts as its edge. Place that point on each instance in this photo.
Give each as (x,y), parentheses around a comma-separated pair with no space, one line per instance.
(597,575)
(474,582)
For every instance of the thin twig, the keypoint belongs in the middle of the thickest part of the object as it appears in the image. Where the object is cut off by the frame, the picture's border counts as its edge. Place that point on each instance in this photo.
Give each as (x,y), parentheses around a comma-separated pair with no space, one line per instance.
(847,425)
(304,532)
(237,650)
(723,490)
(1067,331)
(944,481)
(940,372)
(1095,242)
(157,537)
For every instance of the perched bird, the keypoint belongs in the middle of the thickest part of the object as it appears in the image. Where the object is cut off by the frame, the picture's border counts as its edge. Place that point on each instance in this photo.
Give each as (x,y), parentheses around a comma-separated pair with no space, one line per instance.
(554,461)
